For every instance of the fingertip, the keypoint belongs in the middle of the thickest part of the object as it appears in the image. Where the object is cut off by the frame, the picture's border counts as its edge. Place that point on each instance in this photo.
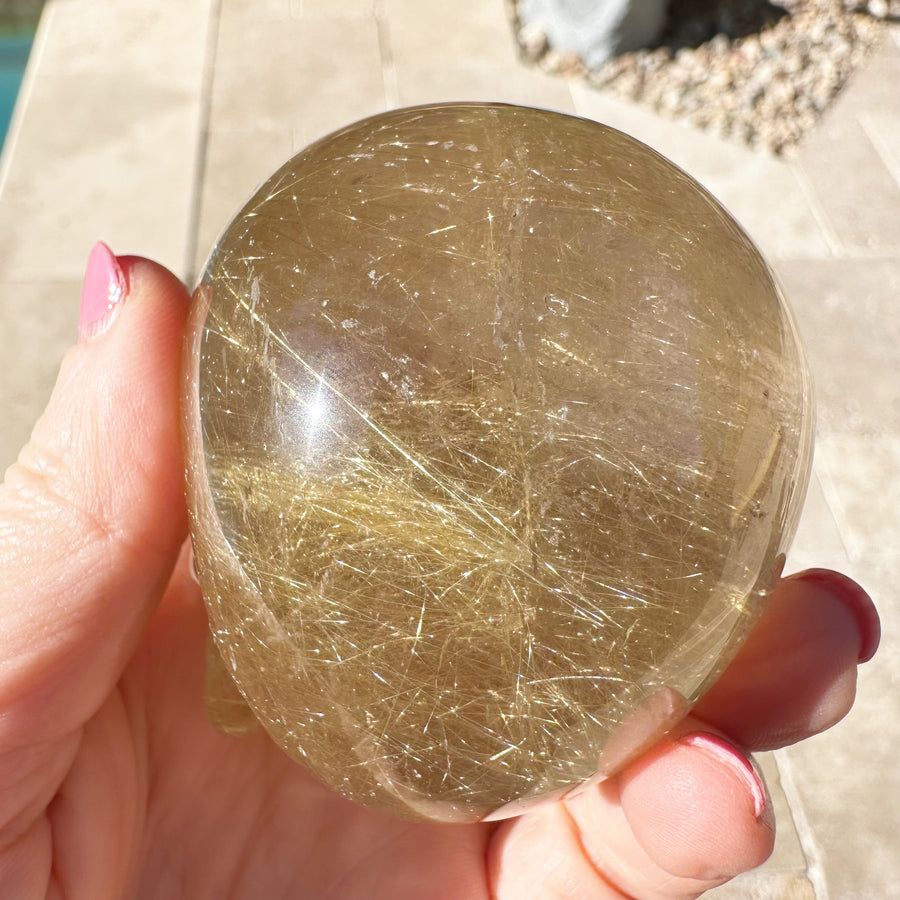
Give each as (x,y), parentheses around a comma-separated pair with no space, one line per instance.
(143,274)
(111,426)
(699,808)
(854,598)
(158,298)
(139,366)
(113,282)
(796,674)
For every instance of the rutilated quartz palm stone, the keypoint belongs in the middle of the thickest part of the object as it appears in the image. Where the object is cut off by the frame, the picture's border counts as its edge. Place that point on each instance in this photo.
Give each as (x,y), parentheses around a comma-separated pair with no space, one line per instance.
(497,430)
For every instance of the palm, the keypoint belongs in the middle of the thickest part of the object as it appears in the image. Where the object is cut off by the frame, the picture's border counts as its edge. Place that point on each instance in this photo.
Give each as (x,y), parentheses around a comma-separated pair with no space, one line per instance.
(213,815)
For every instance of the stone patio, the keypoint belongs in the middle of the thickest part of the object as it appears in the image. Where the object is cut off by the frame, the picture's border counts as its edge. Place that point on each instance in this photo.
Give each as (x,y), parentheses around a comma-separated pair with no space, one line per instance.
(146,123)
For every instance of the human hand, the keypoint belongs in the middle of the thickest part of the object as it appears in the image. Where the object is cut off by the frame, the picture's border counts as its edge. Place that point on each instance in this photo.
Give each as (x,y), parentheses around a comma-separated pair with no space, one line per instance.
(113,784)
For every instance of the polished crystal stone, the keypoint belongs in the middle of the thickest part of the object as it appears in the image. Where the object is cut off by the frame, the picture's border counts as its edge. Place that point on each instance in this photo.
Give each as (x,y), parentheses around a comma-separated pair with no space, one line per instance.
(497,430)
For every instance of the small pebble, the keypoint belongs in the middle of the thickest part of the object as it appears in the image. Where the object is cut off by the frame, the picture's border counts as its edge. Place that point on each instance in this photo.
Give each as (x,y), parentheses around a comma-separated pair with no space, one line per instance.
(745,69)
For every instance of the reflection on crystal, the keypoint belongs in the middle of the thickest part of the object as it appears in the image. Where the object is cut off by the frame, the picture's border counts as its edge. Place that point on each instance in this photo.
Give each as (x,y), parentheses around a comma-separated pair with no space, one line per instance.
(497,429)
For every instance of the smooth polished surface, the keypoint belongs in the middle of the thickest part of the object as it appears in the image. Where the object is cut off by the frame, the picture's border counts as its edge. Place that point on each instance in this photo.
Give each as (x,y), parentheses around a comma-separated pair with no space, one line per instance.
(497,431)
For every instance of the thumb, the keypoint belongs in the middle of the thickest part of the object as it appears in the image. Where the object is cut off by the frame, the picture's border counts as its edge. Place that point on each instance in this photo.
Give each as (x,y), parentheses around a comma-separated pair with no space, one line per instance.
(92,513)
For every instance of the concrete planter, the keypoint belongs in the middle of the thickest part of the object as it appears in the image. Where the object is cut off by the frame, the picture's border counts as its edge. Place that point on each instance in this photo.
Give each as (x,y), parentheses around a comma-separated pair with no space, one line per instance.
(594,30)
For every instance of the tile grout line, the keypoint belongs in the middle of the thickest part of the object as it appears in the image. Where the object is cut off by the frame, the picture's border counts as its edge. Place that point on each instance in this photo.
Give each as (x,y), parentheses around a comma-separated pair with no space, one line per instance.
(836,507)
(891,163)
(388,66)
(203,129)
(812,852)
(32,67)
(832,503)
(832,241)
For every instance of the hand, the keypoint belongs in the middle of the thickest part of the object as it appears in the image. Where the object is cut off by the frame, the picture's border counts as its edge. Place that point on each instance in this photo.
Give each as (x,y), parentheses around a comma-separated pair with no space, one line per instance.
(114,785)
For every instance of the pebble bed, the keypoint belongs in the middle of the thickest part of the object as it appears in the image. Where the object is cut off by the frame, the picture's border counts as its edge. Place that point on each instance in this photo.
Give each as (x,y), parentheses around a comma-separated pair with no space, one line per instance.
(744,69)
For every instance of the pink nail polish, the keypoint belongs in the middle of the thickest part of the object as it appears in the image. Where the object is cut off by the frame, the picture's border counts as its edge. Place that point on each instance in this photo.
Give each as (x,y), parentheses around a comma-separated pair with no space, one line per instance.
(728,755)
(102,294)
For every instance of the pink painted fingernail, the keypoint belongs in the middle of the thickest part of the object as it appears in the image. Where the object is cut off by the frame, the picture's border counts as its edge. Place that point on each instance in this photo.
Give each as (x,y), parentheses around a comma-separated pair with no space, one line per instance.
(857,601)
(728,755)
(102,294)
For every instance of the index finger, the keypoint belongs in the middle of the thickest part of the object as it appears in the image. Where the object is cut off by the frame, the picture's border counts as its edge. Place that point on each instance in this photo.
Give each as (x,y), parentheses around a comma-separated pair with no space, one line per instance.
(796,674)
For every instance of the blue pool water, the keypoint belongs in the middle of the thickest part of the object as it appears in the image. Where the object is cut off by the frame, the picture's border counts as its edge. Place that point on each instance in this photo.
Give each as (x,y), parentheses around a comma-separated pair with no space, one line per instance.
(14,51)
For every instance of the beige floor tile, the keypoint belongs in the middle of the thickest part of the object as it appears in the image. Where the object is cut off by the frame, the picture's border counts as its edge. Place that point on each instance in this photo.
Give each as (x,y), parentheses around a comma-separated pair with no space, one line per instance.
(847,312)
(845,785)
(290,75)
(883,130)
(105,144)
(485,83)
(874,86)
(165,40)
(260,14)
(330,9)
(861,210)
(817,543)
(766,196)
(236,164)
(861,481)
(237,18)
(475,57)
(38,323)
(763,193)
(440,35)
(847,780)
(762,884)
(848,784)
(98,157)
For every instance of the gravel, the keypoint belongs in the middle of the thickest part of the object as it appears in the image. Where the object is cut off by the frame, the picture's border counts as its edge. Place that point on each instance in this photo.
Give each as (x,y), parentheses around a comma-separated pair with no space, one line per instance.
(744,69)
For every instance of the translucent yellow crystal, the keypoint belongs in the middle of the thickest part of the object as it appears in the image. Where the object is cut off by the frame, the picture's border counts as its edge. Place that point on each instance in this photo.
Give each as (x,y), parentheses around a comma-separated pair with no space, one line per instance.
(497,429)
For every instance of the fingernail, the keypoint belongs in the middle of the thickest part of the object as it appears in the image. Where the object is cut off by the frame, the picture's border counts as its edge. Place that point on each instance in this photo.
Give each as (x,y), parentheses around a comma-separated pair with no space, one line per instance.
(102,294)
(728,755)
(857,601)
